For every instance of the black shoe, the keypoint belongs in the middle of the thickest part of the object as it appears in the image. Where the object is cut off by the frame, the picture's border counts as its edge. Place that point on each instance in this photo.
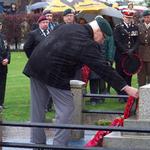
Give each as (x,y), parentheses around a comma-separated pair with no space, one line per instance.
(4,107)
(122,100)
(102,100)
(97,101)
(93,103)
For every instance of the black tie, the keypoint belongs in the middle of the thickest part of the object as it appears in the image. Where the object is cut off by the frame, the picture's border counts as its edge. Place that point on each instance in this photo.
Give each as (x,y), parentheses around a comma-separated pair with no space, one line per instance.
(45,31)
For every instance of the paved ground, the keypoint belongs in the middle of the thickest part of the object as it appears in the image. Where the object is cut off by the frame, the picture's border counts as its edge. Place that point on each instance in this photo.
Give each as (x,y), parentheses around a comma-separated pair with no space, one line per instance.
(22,135)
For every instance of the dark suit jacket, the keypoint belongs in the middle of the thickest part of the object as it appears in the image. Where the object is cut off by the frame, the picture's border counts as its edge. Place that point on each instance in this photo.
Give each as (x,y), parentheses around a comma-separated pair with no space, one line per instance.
(144,38)
(4,53)
(126,40)
(33,39)
(55,59)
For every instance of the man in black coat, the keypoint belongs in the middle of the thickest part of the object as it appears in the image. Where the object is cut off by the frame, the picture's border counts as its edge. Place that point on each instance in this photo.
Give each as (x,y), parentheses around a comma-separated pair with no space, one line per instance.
(4,61)
(36,36)
(53,63)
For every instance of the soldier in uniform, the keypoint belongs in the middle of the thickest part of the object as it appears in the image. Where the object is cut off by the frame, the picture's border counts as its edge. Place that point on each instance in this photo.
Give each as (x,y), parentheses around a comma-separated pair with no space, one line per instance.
(144,49)
(126,41)
(49,15)
(4,61)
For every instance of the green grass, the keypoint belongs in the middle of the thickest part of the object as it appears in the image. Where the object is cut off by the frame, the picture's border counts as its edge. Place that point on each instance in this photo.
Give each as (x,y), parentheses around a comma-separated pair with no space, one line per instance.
(17,99)
(17,90)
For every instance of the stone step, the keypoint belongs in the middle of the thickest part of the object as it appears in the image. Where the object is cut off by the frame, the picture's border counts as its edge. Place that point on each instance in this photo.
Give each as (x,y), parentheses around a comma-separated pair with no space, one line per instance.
(131,142)
(133,122)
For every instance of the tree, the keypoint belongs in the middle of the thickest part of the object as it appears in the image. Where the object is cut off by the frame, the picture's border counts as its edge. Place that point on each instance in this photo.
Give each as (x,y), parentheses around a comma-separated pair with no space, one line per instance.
(148,3)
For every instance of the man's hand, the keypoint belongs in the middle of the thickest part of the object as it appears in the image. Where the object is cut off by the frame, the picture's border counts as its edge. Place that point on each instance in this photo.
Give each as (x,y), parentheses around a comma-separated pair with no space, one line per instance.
(5,62)
(131,91)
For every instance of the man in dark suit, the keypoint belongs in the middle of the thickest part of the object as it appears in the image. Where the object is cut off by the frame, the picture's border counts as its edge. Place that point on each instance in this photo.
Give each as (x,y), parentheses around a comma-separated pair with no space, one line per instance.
(4,61)
(127,42)
(53,64)
(33,39)
(36,36)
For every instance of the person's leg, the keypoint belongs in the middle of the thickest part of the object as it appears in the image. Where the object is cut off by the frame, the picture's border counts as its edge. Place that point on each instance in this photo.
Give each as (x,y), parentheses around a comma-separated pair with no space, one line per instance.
(2,88)
(102,86)
(39,97)
(102,89)
(142,75)
(64,107)
(93,90)
(49,104)
(147,73)
(126,78)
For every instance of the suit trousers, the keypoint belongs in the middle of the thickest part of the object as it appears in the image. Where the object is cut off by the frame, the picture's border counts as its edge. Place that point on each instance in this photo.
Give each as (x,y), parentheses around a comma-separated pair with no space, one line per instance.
(126,77)
(2,87)
(64,107)
(97,86)
(144,74)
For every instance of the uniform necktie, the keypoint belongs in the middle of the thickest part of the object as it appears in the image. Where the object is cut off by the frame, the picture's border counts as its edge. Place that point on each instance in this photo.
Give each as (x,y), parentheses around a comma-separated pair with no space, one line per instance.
(45,32)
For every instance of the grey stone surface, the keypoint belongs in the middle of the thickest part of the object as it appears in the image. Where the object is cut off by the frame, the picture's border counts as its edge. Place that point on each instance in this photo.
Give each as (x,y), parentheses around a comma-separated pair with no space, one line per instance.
(22,135)
(143,112)
(77,88)
(115,140)
(132,122)
(134,141)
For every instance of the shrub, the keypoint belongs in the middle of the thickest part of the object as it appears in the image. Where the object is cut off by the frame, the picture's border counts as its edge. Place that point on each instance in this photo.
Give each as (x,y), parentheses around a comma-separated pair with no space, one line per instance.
(16,27)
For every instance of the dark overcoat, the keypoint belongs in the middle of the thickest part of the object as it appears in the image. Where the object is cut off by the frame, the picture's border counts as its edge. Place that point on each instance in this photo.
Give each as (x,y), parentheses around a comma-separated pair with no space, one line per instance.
(64,49)
(4,53)
(33,39)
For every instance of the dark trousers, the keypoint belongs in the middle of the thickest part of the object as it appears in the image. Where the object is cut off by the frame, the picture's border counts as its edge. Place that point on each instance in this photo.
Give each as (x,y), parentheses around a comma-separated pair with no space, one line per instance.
(50,103)
(97,86)
(144,74)
(2,87)
(127,78)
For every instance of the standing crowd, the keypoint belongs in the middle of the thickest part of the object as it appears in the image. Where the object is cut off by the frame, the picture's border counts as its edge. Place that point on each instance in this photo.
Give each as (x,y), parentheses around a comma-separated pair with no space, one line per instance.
(57,53)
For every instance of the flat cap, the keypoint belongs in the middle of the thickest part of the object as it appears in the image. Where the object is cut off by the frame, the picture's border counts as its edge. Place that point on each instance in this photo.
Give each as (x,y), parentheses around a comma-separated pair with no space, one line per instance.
(146,13)
(104,25)
(68,11)
(42,18)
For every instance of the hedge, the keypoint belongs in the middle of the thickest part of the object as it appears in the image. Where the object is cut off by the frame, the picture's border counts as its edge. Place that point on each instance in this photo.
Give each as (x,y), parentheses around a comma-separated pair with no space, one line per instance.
(16,27)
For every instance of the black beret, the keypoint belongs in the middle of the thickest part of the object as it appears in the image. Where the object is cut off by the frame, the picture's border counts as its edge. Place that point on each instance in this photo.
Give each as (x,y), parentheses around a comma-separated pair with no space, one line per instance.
(104,25)
(68,11)
(146,13)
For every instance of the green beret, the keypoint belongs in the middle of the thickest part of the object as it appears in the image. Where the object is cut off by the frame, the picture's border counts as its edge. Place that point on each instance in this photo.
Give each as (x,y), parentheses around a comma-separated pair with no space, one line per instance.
(104,25)
(68,11)
(146,13)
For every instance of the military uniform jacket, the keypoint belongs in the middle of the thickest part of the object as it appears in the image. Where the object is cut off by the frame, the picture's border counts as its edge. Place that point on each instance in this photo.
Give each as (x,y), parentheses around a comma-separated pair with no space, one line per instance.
(144,40)
(126,39)
(64,49)
(4,53)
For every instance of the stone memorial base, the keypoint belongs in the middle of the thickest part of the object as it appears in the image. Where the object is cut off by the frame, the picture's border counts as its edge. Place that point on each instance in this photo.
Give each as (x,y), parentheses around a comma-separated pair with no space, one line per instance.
(129,140)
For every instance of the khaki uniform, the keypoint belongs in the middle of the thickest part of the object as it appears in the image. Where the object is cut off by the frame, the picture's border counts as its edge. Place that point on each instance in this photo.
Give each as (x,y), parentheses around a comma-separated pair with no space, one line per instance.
(144,53)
